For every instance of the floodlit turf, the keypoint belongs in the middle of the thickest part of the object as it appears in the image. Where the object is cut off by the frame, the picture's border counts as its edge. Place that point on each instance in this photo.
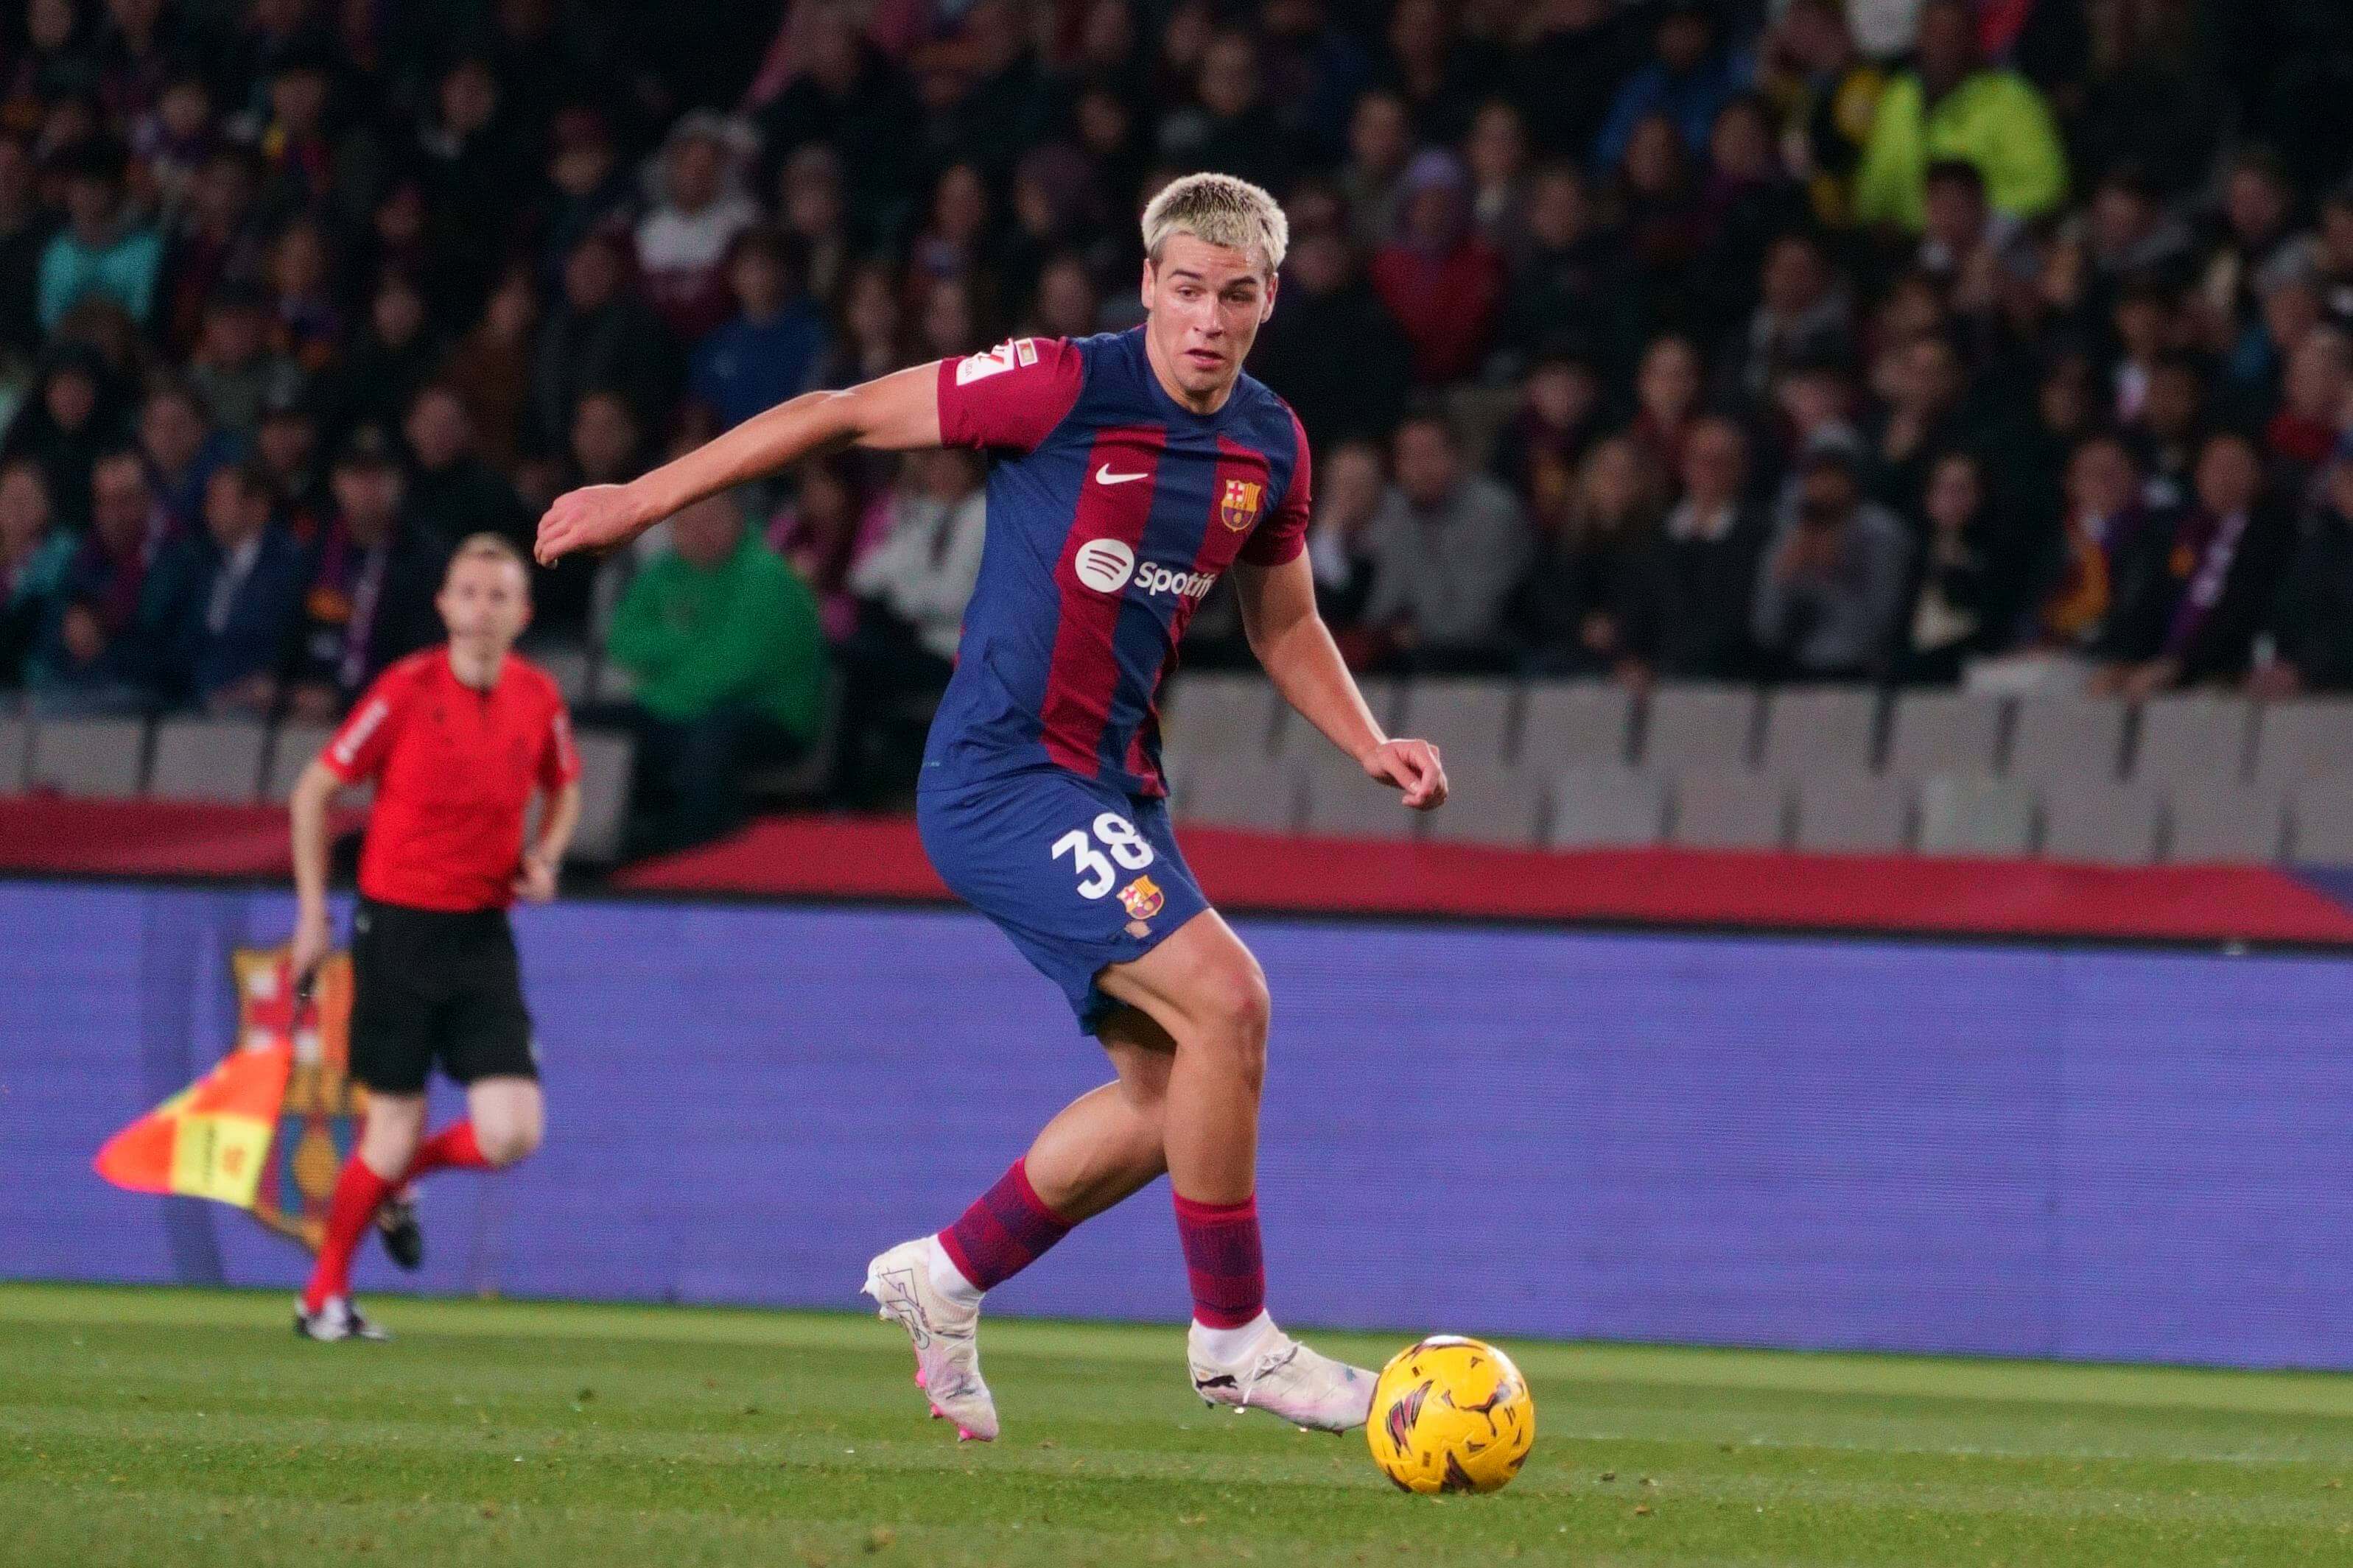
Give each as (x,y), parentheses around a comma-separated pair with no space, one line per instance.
(171,1429)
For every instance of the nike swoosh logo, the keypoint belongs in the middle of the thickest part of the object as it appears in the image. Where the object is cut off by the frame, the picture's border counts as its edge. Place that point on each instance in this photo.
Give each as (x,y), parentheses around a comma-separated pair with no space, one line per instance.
(1104,475)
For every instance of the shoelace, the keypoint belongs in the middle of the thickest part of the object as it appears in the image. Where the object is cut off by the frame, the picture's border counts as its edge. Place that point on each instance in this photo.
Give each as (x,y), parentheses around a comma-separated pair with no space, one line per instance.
(1267,1362)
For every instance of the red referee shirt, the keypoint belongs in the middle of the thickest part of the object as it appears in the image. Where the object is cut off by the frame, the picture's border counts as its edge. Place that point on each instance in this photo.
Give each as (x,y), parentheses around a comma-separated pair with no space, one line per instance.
(455,768)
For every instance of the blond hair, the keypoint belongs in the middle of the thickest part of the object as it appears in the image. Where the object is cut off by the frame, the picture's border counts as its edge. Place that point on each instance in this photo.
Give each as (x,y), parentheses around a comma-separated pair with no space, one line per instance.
(489,547)
(1217,209)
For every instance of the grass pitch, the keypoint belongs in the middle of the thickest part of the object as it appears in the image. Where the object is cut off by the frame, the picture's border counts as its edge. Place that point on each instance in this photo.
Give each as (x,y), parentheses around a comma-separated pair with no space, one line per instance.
(173,1429)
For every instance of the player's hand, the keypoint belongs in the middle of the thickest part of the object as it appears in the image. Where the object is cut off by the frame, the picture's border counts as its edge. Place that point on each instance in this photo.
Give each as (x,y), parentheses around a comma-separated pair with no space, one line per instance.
(593,517)
(535,883)
(1414,767)
(313,937)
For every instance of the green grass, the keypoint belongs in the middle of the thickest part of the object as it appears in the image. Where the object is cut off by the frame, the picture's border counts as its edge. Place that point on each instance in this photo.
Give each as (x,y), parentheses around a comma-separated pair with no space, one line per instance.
(173,1429)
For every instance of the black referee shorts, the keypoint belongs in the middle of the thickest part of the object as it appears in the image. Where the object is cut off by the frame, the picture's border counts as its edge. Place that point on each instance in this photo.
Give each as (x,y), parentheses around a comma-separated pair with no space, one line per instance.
(429,985)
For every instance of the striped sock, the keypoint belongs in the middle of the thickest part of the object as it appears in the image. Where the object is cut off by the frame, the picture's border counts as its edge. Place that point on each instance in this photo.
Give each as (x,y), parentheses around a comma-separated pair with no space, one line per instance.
(1007,1229)
(1224,1260)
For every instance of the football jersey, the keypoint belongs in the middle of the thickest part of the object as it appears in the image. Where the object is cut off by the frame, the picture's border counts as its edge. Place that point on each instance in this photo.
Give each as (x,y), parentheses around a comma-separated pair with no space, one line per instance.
(454,767)
(1113,510)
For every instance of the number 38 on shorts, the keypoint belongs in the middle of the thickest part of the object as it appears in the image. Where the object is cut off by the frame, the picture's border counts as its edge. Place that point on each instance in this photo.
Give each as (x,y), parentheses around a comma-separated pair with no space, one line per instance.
(1094,868)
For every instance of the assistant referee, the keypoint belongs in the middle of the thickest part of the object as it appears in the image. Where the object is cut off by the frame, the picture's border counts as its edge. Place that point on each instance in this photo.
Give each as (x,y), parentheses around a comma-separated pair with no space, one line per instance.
(457,738)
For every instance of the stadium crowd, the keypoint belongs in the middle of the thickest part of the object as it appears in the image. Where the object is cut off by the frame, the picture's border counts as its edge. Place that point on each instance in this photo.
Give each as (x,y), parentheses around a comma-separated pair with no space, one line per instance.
(2008,341)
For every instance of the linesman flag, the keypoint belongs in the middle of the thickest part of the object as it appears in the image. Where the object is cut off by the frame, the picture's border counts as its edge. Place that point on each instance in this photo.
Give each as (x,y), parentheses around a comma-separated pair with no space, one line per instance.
(267,1129)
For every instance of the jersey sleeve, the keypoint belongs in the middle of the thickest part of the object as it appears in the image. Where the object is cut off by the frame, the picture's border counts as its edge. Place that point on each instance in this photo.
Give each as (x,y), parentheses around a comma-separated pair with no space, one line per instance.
(559,759)
(1280,538)
(357,748)
(1011,397)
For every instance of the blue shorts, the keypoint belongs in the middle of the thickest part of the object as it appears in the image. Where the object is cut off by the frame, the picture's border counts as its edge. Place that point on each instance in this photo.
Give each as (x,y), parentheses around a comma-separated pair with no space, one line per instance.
(1082,875)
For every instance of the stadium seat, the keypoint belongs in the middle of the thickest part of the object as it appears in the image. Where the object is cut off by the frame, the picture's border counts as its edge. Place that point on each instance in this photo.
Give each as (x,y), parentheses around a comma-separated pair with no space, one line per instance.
(567,666)
(2066,739)
(1342,803)
(1239,792)
(102,758)
(205,759)
(1470,721)
(1730,811)
(2324,820)
(2101,821)
(2200,737)
(1946,732)
(1297,741)
(1597,806)
(1218,716)
(1972,813)
(1574,724)
(2226,823)
(291,751)
(14,746)
(1821,730)
(1490,802)
(1853,814)
(605,759)
(1698,728)
(2303,740)
(610,681)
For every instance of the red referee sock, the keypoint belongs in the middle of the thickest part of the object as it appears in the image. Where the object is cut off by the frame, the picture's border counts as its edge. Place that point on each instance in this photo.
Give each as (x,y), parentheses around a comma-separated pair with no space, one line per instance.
(359,1193)
(451,1149)
(1224,1260)
(1006,1230)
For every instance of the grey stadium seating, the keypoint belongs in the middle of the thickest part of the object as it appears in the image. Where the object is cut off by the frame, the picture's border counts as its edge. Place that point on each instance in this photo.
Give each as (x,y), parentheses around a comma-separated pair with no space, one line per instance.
(1220,715)
(1295,740)
(1490,802)
(2324,819)
(1698,728)
(291,751)
(2066,739)
(1469,721)
(2102,822)
(1344,803)
(2198,737)
(2304,739)
(1975,814)
(2227,823)
(605,759)
(104,759)
(1574,724)
(1730,811)
(1821,730)
(1949,733)
(15,738)
(205,759)
(1853,814)
(1598,807)
(1241,792)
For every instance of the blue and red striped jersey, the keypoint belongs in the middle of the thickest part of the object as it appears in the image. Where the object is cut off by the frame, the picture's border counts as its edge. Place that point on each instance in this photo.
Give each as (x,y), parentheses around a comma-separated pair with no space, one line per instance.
(1113,510)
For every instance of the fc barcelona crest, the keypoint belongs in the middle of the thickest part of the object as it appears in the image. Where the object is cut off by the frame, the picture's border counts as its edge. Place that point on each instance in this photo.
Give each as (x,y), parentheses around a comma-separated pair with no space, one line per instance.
(1238,508)
(1142,898)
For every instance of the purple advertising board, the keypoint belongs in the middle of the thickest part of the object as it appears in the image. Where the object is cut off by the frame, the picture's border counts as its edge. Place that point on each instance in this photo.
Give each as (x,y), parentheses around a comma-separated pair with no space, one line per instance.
(2098,1153)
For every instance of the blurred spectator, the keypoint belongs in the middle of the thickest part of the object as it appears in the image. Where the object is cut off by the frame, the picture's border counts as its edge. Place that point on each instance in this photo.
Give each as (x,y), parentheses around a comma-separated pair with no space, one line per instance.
(722,641)
(287,446)
(1952,105)
(308,326)
(1496,154)
(597,335)
(1448,547)
(66,423)
(2193,597)
(220,242)
(452,492)
(233,369)
(220,612)
(829,525)
(1558,417)
(912,589)
(2259,246)
(88,659)
(34,557)
(1830,589)
(372,580)
(24,237)
(182,450)
(1682,598)
(2317,395)
(1563,293)
(772,346)
(490,368)
(1436,72)
(1232,128)
(1666,394)
(590,191)
(809,204)
(2309,631)
(2099,531)
(1746,202)
(1570,610)
(1828,97)
(1964,604)
(1802,317)
(683,242)
(1441,281)
(1687,79)
(102,248)
(1350,480)
(1332,348)
(1380,145)
(394,356)
(1568,71)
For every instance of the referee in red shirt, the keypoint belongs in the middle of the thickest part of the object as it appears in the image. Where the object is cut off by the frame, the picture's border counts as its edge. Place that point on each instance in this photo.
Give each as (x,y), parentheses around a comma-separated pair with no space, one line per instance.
(457,738)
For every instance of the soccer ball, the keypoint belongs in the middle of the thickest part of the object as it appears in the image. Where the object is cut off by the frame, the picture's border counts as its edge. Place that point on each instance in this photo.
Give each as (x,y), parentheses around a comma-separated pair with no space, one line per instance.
(1451,1415)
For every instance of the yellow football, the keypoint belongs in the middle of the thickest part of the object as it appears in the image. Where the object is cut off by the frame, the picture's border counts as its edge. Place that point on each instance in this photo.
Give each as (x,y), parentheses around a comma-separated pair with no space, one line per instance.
(1451,1415)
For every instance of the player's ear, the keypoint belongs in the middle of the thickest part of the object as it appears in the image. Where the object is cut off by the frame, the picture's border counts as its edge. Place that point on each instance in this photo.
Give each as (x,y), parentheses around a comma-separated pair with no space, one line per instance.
(1146,290)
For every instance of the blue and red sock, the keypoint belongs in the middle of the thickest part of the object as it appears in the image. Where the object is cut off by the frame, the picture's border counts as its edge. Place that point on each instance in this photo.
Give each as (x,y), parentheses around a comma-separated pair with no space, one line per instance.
(1007,1229)
(1224,1260)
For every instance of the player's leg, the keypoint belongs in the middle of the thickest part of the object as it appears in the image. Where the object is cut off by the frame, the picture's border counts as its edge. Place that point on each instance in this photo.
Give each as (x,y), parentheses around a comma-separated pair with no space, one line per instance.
(386,1145)
(1208,992)
(1096,1150)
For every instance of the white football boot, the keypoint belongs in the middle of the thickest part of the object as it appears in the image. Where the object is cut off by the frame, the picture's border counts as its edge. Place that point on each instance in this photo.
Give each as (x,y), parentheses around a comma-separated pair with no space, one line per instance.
(1276,1374)
(945,1331)
(335,1319)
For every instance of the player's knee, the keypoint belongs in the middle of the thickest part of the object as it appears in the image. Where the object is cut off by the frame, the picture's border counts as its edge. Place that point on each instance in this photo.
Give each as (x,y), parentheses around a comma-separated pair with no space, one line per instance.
(505,1142)
(1235,1009)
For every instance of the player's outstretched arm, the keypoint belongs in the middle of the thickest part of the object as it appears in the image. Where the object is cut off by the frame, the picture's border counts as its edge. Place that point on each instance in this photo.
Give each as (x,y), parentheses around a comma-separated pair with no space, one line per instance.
(894,413)
(1278,604)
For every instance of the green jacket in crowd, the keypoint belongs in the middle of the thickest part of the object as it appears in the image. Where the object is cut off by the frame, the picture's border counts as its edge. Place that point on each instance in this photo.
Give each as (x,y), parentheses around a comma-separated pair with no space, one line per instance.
(745,630)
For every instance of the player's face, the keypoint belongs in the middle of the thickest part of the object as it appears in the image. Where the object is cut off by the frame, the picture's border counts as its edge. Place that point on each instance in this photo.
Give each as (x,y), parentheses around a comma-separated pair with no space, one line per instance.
(1206,305)
(485,602)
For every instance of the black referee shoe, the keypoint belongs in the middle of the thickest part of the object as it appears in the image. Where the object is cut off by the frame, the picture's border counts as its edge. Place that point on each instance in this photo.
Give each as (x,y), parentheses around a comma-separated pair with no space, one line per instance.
(404,1238)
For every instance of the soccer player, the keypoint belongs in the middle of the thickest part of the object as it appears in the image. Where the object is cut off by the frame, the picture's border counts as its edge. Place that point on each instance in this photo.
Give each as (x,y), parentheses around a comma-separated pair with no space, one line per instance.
(1128,472)
(457,738)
